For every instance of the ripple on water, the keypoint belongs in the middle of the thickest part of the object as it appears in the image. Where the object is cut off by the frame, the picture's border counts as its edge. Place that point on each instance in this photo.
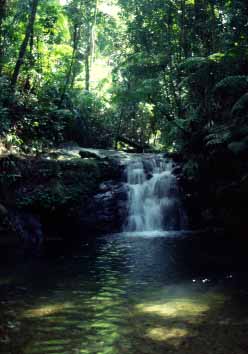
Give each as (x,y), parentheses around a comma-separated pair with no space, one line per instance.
(137,298)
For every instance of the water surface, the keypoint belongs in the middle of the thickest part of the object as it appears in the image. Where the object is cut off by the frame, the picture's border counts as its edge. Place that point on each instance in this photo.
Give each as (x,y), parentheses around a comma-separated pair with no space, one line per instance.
(127,293)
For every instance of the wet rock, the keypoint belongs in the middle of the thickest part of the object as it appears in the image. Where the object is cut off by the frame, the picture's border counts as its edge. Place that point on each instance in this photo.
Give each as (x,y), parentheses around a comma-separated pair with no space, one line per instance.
(177,170)
(148,166)
(105,186)
(107,209)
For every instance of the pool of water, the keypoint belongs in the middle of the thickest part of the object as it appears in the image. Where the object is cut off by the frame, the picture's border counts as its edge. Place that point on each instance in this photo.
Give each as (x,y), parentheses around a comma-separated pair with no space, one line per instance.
(128,294)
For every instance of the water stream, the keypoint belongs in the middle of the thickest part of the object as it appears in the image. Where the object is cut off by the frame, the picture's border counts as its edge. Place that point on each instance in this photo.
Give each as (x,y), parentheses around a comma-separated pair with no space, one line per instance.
(154,201)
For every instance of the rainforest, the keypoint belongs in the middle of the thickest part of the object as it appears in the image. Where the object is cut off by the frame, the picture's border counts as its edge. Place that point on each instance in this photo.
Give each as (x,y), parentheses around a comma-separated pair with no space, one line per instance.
(123,176)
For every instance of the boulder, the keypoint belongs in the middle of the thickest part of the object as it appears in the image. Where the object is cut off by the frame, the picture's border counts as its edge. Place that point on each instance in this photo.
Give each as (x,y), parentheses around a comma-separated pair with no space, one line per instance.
(88,155)
(107,210)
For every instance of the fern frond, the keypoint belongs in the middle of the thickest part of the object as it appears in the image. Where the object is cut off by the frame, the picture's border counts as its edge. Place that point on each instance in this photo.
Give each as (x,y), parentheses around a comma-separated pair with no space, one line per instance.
(218,135)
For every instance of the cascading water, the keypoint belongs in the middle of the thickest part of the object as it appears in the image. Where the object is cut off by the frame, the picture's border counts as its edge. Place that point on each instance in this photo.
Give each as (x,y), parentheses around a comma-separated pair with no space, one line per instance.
(153,200)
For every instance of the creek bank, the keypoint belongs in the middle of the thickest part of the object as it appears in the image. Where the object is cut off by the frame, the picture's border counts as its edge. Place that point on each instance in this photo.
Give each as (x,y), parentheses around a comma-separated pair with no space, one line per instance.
(63,195)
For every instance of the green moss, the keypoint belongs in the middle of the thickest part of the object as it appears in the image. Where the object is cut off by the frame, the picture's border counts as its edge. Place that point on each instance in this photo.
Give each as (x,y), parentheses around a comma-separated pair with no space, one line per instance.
(60,184)
(56,191)
(45,185)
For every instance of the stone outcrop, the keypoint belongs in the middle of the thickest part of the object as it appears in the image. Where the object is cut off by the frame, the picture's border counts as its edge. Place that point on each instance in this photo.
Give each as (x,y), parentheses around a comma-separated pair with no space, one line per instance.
(60,196)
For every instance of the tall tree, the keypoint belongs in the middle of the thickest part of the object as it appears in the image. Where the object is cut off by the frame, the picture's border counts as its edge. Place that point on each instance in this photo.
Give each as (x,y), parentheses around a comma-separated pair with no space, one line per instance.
(91,18)
(75,13)
(24,45)
(3,13)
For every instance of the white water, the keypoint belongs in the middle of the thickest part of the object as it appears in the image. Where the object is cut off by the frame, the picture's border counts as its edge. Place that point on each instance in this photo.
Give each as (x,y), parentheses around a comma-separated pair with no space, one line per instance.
(153,201)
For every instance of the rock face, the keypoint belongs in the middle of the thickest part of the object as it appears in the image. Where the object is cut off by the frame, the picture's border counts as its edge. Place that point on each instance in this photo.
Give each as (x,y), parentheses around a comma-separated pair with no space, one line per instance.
(61,196)
(107,209)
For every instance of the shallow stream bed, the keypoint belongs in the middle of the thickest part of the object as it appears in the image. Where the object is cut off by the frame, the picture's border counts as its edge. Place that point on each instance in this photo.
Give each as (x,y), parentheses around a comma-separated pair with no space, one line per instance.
(128,294)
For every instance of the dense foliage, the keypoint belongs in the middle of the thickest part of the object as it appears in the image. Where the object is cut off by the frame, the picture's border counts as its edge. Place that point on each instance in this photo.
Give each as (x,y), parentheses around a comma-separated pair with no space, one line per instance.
(168,74)
(47,52)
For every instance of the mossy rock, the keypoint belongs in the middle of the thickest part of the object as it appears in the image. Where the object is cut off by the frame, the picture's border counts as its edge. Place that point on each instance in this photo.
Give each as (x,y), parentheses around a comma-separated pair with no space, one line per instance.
(62,185)
(57,191)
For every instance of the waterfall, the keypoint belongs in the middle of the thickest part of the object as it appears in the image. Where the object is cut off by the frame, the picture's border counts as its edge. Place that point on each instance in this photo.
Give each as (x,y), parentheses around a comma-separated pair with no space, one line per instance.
(153,195)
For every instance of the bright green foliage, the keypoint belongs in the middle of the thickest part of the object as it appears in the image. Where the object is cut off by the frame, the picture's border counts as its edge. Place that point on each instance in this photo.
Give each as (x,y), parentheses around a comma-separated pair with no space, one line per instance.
(188,61)
(144,73)
(55,97)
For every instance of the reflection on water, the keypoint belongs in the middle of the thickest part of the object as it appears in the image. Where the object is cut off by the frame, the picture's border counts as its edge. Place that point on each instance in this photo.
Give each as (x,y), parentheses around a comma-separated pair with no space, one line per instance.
(123,295)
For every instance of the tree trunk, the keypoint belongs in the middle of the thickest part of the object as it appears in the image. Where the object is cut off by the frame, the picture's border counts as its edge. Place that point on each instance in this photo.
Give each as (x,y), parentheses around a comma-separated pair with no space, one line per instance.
(70,74)
(93,39)
(183,40)
(90,52)
(213,27)
(87,71)
(139,147)
(23,48)
(3,12)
